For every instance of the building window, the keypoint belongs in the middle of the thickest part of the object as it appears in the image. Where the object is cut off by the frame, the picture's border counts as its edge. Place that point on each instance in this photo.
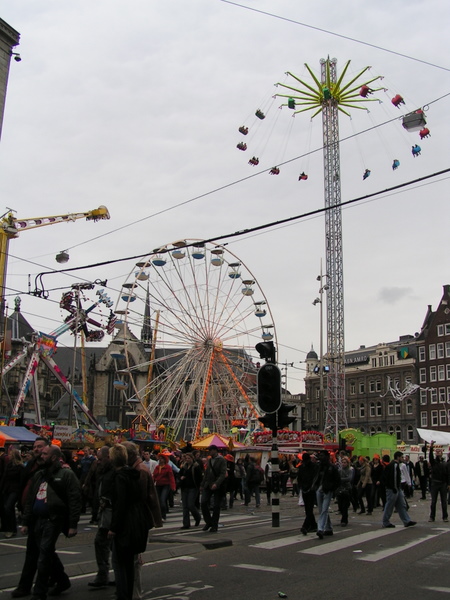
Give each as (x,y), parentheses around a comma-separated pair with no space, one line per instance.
(386,361)
(390,408)
(317,393)
(424,419)
(396,383)
(440,330)
(422,354)
(379,429)
(440,350)
(374,362)
(398,408)
(362,411)
(432,351)
(371,387)
(398,433)
(361,387)
(448,395)
(372,409)
(433,396)
(434,418)
(447,349)
(447,329)
(432,373)
(442,396)
(448,371)
(441,372)
(378,385)
(391,430)
(379,409)
(392,359)
(408,380)
(352,411)
(409,406)
(410,433)
(352,388)
(423,396)
(362,429)
(422,375)
(442,418)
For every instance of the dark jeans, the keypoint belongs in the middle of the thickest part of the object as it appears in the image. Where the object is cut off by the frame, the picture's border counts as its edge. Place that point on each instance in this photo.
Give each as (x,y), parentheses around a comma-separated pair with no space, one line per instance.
(309,499)
(438,489)
(343,505)
(9,506)
(163,495)
(188,498)
(31,560)
(367,492)
(123,564)
(48,564)
(102,554)
(211,519)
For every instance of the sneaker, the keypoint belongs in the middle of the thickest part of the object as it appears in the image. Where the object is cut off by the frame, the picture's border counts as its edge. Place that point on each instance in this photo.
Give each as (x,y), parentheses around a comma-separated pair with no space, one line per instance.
(410,524)
(213,529)
(206,528)
(389,526)
(20,592)
(431,520)
(328,532)
(319,534)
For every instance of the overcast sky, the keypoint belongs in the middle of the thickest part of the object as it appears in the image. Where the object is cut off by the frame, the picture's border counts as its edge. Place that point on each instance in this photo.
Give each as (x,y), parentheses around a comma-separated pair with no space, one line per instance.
(136,105)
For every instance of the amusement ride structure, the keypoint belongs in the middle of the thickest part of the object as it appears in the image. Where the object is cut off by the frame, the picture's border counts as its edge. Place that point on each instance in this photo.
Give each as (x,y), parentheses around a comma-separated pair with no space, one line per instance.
(200,312)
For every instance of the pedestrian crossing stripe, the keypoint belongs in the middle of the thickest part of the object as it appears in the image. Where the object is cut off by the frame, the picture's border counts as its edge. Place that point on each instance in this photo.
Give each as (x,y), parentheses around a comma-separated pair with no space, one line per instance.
(329,547)
(387,552)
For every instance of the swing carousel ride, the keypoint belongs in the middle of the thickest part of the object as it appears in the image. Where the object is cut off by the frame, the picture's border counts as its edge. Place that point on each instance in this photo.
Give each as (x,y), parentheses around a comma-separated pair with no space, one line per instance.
(199,311)
(329,95)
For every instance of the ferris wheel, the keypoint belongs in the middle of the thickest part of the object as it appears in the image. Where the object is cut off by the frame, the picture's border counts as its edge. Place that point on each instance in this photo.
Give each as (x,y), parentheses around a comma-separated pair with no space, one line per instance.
(196,312)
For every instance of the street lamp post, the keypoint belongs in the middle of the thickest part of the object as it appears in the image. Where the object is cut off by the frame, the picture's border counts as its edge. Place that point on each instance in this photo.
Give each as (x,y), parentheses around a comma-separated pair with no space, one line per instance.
(319,300)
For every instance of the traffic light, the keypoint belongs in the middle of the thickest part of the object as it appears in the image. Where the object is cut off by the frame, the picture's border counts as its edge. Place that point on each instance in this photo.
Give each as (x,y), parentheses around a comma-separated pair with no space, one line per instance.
(266,350)
(269,421)
(283,415)
(269,388)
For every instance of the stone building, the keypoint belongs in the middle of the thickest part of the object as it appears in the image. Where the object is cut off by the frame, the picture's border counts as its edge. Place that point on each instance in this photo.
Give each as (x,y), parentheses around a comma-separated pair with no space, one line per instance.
(433,364)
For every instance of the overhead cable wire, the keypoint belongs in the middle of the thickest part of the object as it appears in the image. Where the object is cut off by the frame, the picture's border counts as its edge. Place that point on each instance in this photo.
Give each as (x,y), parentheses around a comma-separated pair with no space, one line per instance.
(339,35)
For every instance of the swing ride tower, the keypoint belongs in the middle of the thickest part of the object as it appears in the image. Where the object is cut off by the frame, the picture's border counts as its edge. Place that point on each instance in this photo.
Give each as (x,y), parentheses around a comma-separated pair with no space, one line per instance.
(329,95)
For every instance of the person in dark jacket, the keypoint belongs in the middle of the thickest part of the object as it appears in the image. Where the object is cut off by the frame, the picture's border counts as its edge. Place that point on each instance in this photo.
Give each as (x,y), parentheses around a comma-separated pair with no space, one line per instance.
(104,493)
(190,476)
(213,487)
(422,472)
(394,494)
(34,464)
(306,476)
(439,483)
(326,484)
(10,489)
(52,507)
(130,521)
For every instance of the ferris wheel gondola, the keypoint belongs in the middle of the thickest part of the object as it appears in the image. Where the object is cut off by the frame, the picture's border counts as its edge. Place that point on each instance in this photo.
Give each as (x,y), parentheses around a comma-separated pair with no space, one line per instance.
(203,313)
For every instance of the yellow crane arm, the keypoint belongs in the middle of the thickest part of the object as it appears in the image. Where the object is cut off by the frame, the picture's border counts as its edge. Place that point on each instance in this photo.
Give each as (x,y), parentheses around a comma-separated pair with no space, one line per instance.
(13,226)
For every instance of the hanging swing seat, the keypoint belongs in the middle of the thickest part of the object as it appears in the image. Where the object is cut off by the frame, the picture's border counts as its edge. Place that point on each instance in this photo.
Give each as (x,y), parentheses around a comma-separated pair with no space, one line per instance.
(366,174)
(243,130)
(395,164)
(253,161)
(397,100)
(365,91)
(242,146)
(424,133)
(416,150)
(274,171)
(259,113)
(303,176)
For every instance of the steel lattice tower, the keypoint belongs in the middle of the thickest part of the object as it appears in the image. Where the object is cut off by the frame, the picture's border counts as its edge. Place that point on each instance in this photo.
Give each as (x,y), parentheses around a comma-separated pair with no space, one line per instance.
(329,96)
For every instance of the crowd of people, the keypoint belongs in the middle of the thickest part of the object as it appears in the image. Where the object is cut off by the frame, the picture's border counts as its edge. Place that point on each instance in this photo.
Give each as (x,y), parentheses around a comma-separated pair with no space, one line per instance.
(43,492)
(365,484)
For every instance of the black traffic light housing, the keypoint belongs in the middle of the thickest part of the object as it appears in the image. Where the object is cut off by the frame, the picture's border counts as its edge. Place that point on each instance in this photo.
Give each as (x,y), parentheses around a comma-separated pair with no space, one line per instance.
(269,421)
(283,415)
(266,350)
(269,388)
